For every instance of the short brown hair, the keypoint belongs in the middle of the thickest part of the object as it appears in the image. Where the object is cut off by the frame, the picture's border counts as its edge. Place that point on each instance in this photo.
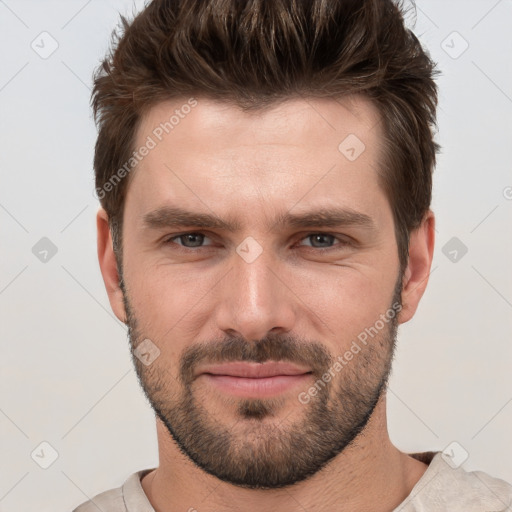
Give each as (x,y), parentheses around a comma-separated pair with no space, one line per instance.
(256,53)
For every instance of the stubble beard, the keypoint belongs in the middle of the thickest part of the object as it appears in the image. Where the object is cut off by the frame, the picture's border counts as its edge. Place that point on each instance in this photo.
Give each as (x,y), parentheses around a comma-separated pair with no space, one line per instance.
(262,450)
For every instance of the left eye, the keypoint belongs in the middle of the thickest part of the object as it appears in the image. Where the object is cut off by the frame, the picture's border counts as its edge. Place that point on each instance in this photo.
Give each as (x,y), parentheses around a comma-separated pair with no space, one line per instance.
(321,239)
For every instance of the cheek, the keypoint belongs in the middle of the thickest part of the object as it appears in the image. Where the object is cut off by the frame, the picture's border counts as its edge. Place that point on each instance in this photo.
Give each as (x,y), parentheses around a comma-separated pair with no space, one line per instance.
(169,300)
(346,301)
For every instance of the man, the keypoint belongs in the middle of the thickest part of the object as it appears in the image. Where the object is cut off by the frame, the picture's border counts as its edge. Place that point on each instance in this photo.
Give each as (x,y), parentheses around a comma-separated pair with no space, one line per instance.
(265,173)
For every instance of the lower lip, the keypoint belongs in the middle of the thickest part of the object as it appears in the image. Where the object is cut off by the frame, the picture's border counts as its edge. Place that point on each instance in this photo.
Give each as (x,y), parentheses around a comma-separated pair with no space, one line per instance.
(256,387)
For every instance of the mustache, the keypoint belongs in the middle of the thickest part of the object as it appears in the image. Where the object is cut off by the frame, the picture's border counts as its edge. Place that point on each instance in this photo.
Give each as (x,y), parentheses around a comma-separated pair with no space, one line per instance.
(274,347)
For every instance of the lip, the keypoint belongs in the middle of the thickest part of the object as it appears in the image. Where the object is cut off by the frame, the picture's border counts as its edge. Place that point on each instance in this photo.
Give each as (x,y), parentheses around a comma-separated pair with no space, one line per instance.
(255,370)
(257,380)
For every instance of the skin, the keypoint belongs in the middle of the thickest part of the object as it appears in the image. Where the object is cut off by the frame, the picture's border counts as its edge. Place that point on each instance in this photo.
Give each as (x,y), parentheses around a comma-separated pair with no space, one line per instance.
(253,166)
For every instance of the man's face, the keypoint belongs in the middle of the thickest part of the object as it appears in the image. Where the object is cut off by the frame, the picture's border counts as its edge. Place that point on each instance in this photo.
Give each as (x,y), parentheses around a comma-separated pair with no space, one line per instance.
(272,293)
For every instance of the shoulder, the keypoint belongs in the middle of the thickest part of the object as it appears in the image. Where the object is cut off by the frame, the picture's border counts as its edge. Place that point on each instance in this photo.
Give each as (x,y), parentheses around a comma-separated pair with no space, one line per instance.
(107,501)
(445,486)
(129,497)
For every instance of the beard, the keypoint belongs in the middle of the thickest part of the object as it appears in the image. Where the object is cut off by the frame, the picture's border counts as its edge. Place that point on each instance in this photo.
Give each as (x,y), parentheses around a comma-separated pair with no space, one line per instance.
(263,450)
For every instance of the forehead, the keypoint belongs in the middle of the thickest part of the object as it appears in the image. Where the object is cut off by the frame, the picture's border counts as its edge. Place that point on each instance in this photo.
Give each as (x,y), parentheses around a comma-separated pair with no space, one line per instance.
(213,125)
(202,150)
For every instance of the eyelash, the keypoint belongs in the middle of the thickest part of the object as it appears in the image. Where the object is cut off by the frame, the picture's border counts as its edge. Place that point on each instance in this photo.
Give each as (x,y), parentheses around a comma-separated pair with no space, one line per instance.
(343,242)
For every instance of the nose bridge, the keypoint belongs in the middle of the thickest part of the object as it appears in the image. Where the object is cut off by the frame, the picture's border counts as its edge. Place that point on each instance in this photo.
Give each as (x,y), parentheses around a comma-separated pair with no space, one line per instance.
(255,301)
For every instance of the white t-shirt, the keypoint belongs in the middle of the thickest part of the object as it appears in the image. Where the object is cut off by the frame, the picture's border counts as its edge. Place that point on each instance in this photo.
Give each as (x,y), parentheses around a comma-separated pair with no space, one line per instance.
(442,488)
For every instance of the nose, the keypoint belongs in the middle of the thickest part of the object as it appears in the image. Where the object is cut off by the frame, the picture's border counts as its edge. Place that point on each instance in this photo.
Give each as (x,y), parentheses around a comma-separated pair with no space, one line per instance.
(256,299)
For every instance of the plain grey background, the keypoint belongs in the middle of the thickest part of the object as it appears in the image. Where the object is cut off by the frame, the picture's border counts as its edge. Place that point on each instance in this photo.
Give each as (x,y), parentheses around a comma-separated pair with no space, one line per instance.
(66,378)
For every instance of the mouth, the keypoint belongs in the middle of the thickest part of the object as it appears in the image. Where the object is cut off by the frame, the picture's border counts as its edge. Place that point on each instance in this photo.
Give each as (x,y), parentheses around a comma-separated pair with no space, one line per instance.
(257,380)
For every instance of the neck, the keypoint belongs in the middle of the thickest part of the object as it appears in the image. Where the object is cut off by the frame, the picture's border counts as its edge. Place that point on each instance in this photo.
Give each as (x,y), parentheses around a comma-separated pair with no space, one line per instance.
(370,474)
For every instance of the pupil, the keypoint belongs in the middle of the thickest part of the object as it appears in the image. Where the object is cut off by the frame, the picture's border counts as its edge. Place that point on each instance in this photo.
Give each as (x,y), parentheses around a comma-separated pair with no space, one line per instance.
(320,236)
(190,238)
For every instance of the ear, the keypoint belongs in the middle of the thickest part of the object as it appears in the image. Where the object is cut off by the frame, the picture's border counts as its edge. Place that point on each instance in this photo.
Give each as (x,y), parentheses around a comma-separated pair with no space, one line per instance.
(108,265)
(421,250)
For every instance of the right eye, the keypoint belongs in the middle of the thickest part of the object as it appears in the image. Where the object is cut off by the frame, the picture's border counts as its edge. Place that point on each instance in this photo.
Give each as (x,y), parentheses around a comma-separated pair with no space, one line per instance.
(187,240)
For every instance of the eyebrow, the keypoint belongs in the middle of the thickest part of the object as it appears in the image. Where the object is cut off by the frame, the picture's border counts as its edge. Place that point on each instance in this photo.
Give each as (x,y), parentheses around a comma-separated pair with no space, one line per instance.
(176,217)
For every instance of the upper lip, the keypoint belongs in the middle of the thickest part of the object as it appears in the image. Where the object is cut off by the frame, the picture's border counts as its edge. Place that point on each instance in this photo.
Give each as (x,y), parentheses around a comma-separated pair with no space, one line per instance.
(254,370)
